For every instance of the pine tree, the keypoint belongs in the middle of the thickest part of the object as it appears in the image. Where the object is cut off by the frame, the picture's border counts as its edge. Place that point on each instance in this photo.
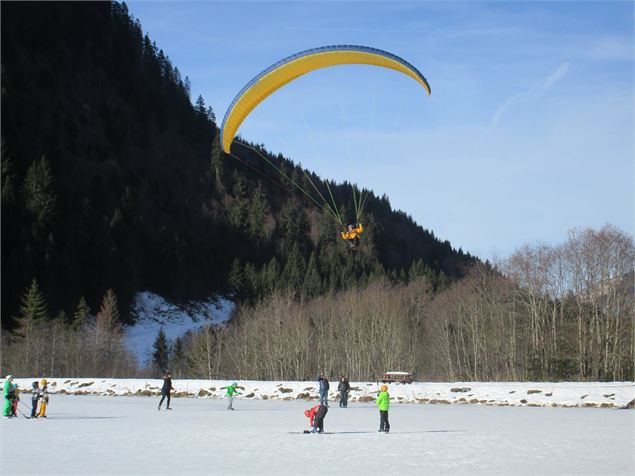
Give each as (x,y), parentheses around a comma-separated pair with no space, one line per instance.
(39,195)
(270,276)
(187,87)
(80,317)
(161,354)
(162,60)
(258,211)
(32,309)
(200,106)
(251,285)
(238,208)
(7,187)
(312,285)
(210,115)
(284,171)
(217,163)
(236,279)
(294,270)
(417,269)
(293,228)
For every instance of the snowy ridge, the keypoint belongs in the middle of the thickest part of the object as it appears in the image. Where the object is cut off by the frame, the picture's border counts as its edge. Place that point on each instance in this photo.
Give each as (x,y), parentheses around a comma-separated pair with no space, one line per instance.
(152,312)
(535,394)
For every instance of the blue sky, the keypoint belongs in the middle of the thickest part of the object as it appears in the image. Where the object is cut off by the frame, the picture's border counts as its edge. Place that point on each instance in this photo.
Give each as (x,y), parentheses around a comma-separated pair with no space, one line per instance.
(527,134)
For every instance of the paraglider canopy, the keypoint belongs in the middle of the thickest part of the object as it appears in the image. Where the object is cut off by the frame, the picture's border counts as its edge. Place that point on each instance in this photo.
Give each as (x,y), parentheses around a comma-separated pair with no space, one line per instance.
(288,69)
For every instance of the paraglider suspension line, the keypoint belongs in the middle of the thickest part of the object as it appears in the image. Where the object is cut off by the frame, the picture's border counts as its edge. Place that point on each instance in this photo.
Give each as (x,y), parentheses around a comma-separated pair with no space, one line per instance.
(326,206)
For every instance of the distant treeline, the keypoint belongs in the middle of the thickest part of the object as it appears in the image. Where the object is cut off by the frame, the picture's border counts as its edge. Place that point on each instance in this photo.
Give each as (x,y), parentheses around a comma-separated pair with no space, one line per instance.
(113,179)
(547,314)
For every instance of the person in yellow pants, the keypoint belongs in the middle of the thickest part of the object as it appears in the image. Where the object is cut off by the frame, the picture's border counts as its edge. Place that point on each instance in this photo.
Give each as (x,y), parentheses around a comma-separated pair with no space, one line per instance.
(44,398)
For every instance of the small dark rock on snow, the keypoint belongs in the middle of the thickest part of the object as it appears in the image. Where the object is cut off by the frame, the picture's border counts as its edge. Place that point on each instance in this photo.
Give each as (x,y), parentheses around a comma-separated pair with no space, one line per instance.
(460,389)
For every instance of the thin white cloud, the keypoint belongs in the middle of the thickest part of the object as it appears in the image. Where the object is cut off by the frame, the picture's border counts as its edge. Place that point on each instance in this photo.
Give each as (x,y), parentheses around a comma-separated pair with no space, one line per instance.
(538,91)
(612,48)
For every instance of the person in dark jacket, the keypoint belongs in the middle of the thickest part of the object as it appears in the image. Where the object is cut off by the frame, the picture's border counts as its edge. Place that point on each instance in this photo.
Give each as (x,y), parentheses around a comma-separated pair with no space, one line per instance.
(35,397)
(344,387)
(166,389)
(324,390)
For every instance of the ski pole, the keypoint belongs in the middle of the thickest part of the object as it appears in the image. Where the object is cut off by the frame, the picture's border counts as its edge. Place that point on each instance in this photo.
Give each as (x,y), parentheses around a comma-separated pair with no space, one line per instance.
(28,410)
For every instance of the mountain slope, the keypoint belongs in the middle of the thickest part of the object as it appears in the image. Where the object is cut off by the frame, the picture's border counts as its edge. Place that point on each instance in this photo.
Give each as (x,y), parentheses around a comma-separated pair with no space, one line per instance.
(110,179)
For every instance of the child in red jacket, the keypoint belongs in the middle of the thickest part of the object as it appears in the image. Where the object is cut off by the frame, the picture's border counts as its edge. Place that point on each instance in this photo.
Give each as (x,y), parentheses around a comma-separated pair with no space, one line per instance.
(316,418)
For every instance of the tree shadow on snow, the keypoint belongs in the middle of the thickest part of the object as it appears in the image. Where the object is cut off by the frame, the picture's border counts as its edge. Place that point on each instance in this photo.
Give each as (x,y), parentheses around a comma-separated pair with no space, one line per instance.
(375,432)
(438,431)
(75,416)
(393,432)
(244,410)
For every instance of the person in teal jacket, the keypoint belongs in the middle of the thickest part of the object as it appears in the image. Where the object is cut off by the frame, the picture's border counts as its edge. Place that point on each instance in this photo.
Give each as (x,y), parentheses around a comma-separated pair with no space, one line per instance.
(383,402)
(231,390)
(7,393)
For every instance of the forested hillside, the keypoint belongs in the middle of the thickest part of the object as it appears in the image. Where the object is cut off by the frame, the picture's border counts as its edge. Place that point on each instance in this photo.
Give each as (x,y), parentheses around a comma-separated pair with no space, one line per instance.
(112,178)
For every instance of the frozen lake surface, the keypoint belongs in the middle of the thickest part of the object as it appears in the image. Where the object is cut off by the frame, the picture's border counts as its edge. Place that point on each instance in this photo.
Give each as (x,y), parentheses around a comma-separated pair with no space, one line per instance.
(127,435)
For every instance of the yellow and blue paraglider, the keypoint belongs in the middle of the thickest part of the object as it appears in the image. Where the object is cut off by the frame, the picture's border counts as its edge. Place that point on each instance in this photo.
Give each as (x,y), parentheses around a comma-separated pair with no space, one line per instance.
(288,69)
(285,71)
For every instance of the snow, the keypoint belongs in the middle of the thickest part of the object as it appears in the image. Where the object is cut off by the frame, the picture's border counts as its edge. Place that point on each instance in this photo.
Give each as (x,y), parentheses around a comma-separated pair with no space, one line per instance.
(539,394)
(152,312)
(128,436)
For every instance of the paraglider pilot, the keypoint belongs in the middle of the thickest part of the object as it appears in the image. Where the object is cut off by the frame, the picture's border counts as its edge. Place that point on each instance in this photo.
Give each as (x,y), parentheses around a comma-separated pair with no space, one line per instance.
(352,236)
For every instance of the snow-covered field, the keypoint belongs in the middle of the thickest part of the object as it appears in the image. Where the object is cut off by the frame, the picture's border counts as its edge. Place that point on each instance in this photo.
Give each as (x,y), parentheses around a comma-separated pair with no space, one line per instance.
(544,394)
(127,436)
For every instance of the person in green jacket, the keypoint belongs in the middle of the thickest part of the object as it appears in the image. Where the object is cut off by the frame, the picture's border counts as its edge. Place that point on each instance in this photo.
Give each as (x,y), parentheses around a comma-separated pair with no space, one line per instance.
(7,393)
(383,402)
(231,390)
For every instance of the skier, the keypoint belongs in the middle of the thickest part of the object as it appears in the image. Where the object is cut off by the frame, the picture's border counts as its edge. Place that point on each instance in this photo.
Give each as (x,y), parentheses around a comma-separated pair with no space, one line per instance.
(231,390)
(166,389)
(383,402)
(324,390)
(44,397)
(35,396)
(7,393)
(344,387)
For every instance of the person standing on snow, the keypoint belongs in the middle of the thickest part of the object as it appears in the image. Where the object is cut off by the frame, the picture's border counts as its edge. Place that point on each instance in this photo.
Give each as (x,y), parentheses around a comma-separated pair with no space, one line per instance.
(231,390)
(16,400)
(35,396)
(344,387)
(166,389)
(44,397)
(383,402)
(324,390)
(7,393)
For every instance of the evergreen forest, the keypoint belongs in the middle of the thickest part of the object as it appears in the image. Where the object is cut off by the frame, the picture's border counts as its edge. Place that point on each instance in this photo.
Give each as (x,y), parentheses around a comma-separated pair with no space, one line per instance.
(112,178)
